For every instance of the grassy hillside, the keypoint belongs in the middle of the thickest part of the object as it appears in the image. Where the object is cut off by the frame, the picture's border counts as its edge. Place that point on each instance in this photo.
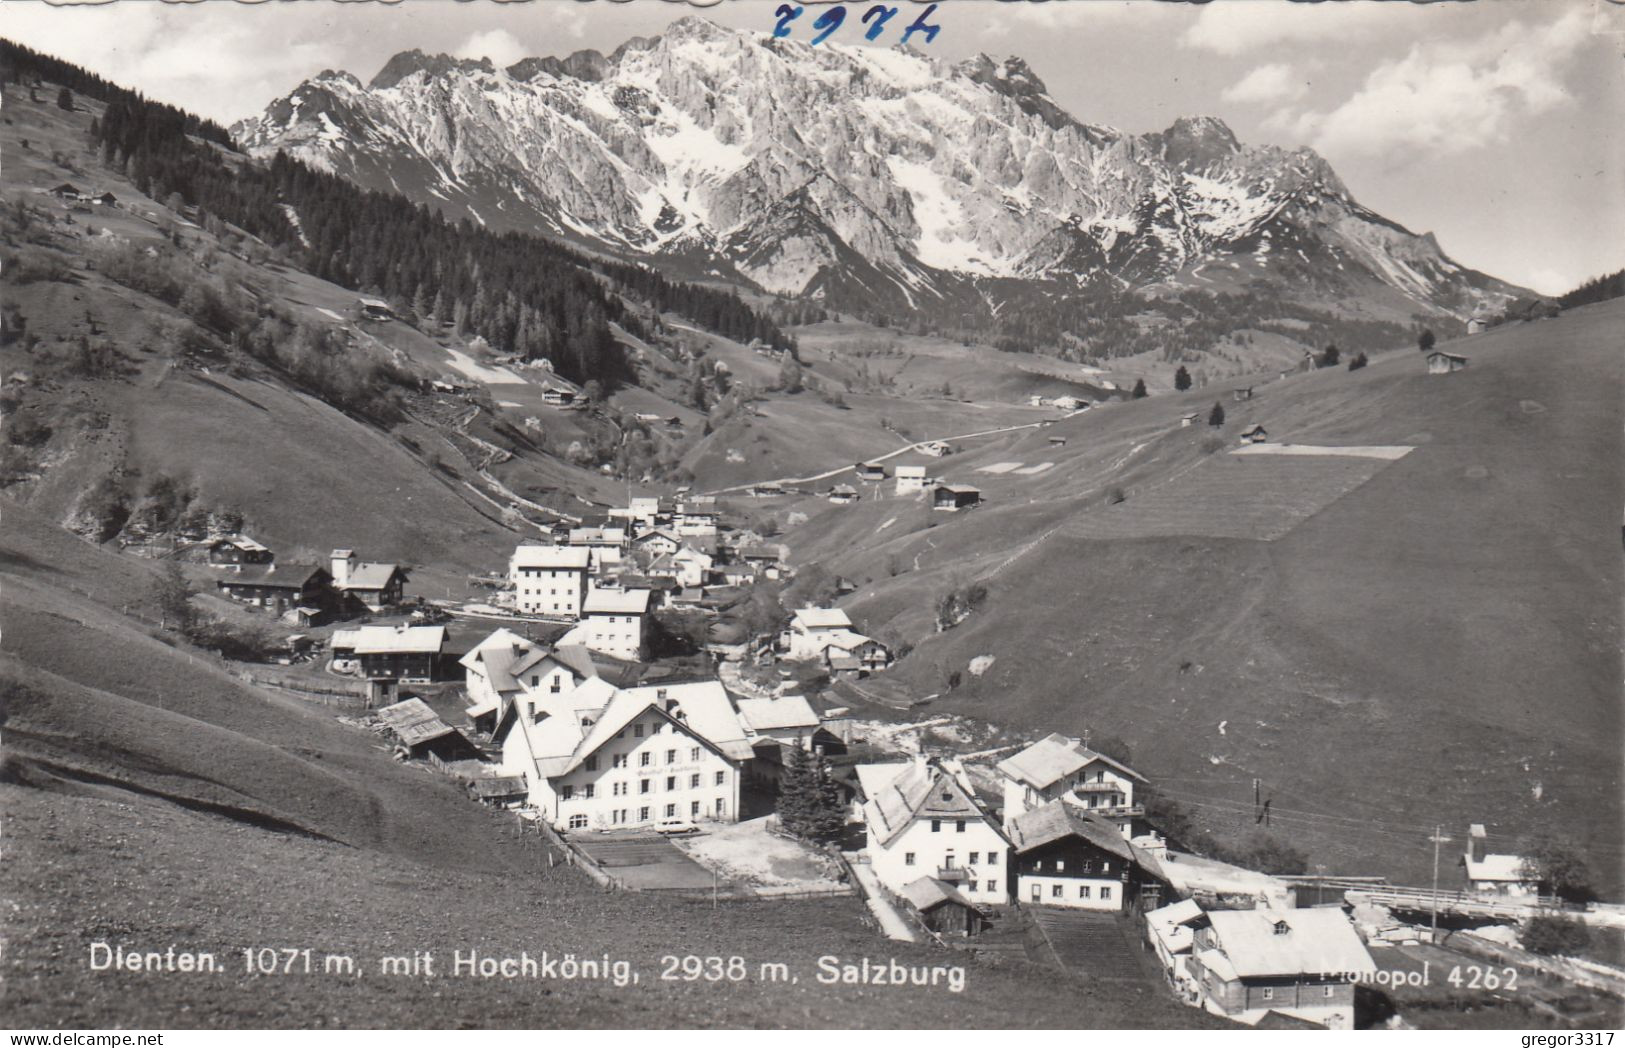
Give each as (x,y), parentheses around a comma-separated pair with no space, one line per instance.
(122,382)
(1386,644)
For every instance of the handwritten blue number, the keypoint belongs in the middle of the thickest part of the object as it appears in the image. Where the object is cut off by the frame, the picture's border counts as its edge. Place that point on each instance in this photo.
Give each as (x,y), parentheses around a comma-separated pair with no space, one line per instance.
(786,14)
(919,26)
(829,21)
(886,15)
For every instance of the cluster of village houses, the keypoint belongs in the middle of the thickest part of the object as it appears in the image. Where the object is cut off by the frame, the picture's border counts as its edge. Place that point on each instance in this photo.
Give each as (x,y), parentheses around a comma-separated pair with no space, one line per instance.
(568,733)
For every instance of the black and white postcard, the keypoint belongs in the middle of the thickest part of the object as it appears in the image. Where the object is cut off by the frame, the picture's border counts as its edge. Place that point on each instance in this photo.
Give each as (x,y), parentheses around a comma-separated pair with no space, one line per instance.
(973,515)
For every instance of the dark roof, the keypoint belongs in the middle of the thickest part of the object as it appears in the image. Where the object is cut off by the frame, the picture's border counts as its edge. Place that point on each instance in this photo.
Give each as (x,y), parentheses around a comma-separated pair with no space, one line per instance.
(498,786)
(1059,819)
(278,576)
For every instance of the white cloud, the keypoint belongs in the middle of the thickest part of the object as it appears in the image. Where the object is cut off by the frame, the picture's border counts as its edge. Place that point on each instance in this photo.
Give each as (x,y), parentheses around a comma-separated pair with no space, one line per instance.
(1452,96)
(1275,82)
(205,57)
(499,45)
(1062,15)
(1231,27)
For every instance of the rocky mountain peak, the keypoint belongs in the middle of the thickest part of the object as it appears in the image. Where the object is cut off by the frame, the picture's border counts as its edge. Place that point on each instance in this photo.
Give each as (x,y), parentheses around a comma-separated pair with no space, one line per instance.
(407,63)
(1197,142)
(588,65)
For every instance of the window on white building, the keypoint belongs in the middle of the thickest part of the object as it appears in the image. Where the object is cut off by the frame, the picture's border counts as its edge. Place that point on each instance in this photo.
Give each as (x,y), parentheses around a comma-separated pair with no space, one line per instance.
(587,791)
(637,731)
(1105,893)
(644,785)
(1055,891)
(643,814)
(722,807)
(671,783)
(694,809)
(592,763)
(936,825)
(959,827)
(1269,993)
(694,754)
(568,792)
(578,822)
(992,886)
(992,858)
(1083,891)
(671,756)
(694,781)
(671,811)
(908,858)
(972,860)
(722,777)
(644,759)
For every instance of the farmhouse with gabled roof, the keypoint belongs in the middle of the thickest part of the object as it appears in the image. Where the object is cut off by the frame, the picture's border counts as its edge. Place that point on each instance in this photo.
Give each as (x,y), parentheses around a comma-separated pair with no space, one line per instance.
(923,820)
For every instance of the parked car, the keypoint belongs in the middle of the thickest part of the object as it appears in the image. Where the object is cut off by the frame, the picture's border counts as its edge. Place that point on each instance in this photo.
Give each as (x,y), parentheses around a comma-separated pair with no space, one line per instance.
(674,827)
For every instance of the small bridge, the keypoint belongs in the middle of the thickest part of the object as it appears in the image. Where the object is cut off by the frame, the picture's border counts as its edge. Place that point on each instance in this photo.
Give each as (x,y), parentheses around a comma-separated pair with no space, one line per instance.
(1426,900)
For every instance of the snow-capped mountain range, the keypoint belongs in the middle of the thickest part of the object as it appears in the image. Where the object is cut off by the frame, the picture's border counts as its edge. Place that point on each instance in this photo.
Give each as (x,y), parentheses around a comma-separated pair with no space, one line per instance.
(850,173)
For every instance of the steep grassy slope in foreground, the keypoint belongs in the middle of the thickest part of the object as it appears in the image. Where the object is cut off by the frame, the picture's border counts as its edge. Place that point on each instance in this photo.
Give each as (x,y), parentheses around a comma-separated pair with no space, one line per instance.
(152,800)
(1433,640)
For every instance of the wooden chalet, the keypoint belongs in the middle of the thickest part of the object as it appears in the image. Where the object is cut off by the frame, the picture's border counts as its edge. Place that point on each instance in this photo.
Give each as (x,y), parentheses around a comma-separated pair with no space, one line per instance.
(1249,964)
(843,494)
(400,653)
(1254,435)
(375,586)
(1442,363)
(1067,856)
(237,550)
(955,497)
(279,586)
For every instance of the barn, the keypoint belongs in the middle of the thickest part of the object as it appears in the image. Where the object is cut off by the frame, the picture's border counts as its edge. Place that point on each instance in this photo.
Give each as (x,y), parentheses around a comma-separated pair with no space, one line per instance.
(942,909)
(1442,363)
(955,497)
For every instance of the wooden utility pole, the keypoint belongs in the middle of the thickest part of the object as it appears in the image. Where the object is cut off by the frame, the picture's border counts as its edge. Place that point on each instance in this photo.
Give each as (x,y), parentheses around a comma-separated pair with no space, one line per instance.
(1438,838)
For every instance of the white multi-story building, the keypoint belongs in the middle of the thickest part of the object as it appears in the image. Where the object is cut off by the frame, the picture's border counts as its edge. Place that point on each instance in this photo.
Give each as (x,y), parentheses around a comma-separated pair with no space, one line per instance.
(910,479)
(549,580)
(505,666)
(600,758)
(612,622)
(923,820)
(1057,766)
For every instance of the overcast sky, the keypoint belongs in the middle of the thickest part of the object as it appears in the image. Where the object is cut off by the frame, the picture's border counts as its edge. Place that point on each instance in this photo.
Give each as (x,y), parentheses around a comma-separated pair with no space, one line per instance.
(1495,124)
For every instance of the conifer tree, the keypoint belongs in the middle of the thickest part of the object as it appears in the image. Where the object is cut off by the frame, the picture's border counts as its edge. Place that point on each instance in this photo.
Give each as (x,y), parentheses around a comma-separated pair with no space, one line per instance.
(809,799)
